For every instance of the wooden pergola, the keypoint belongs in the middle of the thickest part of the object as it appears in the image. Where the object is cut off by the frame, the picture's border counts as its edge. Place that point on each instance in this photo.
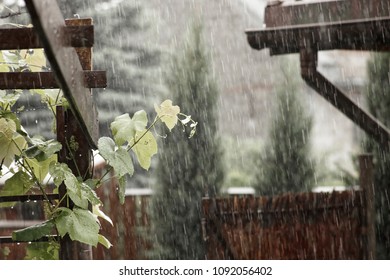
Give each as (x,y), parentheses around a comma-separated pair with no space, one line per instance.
(307,27)
(68,48)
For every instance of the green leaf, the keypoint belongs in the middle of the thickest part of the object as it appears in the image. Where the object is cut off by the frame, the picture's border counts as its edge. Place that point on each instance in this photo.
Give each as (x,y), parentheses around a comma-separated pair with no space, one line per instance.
(11,58)
(34,232)
(11,142)
(80,224)
(104,241)
(42,150)
(140,120)
(122,189)
(80,193)
(96,210)
(124,128)
(117,157)
(74,191)
(42,251)
(19,184)
(145,148)
(59,172)
(3,64)
(168,113)
(35,59)
(41,168)
(8,99)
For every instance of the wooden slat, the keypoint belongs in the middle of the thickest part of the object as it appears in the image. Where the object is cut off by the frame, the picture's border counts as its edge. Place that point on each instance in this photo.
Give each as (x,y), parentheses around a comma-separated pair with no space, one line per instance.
(27,197)
(8,239)
(49,23)
(45,80)
(27,38)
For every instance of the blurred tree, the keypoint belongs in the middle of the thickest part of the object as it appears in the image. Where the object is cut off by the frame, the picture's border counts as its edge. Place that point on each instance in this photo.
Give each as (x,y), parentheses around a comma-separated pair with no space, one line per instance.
(378,101)
(188,169)
(285,165)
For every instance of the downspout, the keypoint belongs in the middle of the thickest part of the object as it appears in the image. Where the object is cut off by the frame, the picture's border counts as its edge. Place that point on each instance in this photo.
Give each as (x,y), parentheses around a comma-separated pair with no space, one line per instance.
(308,60)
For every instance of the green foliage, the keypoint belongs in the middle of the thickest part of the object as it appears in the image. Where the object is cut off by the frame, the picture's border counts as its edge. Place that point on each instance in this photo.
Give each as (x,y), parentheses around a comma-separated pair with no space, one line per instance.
(34,232)
(188,169)
(378,101)
(284,164)
(34,158)
(42,251)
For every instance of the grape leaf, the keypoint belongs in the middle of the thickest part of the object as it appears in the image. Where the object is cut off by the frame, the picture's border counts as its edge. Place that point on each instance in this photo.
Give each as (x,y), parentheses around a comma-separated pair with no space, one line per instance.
(145,148)
(11,142)
(117,157)
(168,113)
(3,64)
(42,150)
(11,58)
(59,172)
(41,168)
(123,128)
(104,241)
(19,184)
(80,193)
(8,99)
(140,120)
(96,210)
(34,232)
(80,224)
(35,59)
(42,251)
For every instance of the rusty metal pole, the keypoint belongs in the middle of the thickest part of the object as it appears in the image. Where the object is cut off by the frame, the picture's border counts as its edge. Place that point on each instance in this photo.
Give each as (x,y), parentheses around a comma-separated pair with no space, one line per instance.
(78,157)
(367,185)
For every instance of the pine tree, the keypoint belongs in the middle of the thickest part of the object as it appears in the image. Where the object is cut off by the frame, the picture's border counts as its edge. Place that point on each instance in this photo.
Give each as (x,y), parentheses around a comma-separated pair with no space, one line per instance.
(378,101)
(285,165)
(188,169)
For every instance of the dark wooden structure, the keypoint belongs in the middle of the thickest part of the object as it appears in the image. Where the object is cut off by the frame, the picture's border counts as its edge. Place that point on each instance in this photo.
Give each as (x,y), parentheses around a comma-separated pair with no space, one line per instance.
(303,226)
(67,45)
(308,27)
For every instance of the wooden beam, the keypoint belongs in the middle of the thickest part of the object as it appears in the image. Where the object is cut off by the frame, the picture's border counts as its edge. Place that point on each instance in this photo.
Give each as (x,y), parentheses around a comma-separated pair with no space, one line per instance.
(45,80)
(287,13)
(367,185)
(336,97)
(366,35)
(27,38)
(50,25)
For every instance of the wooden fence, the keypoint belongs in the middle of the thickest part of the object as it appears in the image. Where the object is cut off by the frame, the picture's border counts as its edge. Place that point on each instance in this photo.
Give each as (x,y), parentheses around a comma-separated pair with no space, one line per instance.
(130,220)
(291,226)
(131,224)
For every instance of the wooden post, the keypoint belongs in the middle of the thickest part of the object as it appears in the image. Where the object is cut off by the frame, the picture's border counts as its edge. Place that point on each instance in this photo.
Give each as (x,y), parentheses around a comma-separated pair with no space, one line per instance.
(79,161)
(367,185)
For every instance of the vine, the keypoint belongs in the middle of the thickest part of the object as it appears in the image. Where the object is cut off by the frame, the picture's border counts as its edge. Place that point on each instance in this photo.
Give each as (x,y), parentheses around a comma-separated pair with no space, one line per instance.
(31,162)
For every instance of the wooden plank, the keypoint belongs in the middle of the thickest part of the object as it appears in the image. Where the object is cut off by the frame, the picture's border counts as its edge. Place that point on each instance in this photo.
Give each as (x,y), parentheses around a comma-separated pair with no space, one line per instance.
(27,38)
(46,80)
(49,23)
(366,35)
(367,184)
(27,197)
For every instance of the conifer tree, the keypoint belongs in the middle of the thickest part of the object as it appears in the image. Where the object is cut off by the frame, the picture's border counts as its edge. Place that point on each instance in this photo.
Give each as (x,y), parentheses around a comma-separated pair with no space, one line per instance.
(378,101)
(188,169)
(285,164)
